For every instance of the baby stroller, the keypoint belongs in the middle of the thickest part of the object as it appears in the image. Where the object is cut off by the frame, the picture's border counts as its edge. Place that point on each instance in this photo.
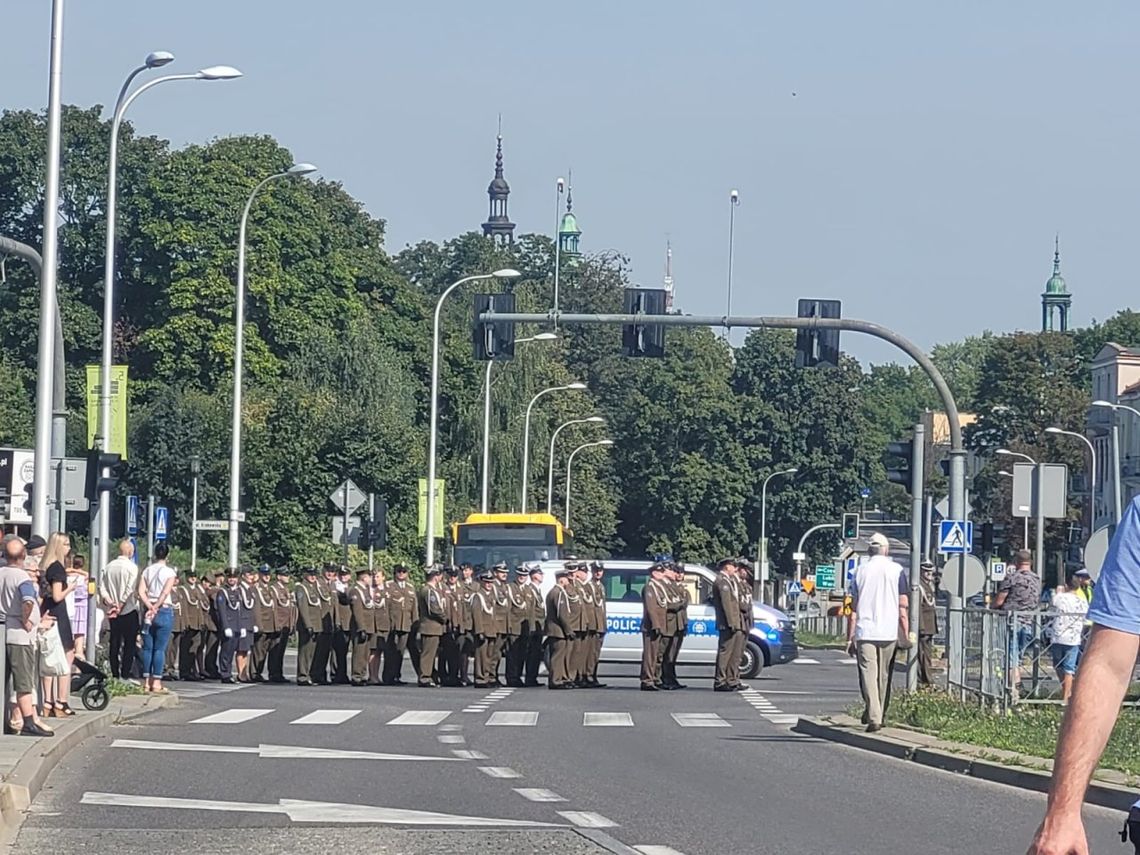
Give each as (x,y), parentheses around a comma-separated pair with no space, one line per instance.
(91,686)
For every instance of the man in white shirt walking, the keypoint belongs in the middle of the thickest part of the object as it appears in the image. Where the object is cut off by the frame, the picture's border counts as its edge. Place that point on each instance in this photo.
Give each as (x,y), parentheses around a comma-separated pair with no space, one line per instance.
(878,619)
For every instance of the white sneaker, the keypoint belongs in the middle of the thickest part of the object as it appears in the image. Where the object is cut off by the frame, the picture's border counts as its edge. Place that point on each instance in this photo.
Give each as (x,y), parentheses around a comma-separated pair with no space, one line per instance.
(133,681)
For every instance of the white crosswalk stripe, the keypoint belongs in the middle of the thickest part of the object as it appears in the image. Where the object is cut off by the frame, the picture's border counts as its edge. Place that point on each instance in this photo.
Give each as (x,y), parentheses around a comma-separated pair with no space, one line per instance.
(699,720)
(234,716)
(586,819)
(512,719)
(327,717)
(535,794)
(607,719)
(421,717)
(189,691)
(499,771)
(800,660)
(657,850)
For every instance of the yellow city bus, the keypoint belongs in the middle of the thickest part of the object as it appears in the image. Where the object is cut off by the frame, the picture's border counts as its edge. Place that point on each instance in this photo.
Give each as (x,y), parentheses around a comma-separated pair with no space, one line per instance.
(483,540)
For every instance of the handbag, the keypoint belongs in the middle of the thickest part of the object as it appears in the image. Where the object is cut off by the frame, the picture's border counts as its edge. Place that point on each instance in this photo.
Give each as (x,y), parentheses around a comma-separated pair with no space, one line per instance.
(53,659)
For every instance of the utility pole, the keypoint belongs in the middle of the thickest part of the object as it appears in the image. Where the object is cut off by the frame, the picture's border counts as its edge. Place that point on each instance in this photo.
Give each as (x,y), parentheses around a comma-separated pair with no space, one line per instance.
(150,502)
(195,467)
(917,487)
(346,507)
(371,523)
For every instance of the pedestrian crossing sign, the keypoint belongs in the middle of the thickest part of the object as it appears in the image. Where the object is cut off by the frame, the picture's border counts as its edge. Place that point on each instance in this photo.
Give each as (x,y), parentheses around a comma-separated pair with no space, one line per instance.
(955,537)
(795,589)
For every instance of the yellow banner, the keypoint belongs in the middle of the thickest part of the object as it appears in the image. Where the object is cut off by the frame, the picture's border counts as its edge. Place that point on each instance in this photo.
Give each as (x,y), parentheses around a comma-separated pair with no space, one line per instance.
(437,522)
(117,436)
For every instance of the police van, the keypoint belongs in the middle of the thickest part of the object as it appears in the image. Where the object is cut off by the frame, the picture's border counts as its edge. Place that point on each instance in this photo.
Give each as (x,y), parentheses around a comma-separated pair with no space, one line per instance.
(771,640)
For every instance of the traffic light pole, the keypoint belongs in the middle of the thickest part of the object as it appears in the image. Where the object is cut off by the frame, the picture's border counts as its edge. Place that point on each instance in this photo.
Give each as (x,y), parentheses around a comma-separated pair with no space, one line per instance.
(917,487)
(371,523)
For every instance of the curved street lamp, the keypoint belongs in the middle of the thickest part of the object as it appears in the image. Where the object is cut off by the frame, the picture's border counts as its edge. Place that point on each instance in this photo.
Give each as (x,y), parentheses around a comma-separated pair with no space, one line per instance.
(569,463)
(1005,452)
(1117,498)
(157,59)
(1092,469)
(295,171)
(545,336)
(429,514)
(763,576)
(576,386)
(550,468)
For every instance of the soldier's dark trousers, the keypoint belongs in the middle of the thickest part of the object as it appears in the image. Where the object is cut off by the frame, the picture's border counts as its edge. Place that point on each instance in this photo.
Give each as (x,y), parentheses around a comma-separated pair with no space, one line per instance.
(363,644)
(725,651)
(340,639)
(516,658)
(484,659)
(429,647)
(276,658)
(226,657)
(925,656)
(669,665)
(559,662)
(189,645)
(320,670)
(650,643)
(466,651)
(589,657)
(599,639)
(449,659)
(579,648)
(124,633)
(259,653)
(394,656)
(664,665)
(213,653)
(533,657)
(173,650)
(414,650)
(740,639)
(306,650)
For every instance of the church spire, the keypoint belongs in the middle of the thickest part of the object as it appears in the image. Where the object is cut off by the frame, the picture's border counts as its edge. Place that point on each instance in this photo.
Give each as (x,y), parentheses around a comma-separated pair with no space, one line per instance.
(499,226)
(568,231)
(1056,301)
(667,282)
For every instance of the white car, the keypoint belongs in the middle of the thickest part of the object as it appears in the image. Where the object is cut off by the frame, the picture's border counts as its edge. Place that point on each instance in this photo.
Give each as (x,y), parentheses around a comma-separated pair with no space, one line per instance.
(771,641)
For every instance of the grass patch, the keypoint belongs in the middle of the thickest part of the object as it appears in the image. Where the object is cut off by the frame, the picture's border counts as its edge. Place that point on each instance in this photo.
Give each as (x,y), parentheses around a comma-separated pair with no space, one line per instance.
(119,688)
(815,639)
(1031,731)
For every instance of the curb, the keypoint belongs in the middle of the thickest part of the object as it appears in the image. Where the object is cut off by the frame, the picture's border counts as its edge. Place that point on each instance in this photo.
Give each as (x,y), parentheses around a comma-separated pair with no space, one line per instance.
(23,784)
(1099,793)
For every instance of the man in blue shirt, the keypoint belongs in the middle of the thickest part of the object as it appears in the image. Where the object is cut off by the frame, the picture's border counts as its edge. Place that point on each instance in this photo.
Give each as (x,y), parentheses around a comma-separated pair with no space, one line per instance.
(1103,677)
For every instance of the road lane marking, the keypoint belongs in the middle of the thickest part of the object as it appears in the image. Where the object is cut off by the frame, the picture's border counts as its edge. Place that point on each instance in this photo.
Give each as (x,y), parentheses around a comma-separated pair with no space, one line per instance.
(147,744)
(607,719)
(587,819)
(273,752)
(450,728)
(421,717)
(327,717)
(699,720)
(657,850)
(512,719)
(451,738)
(800,660)
(234,716)
(499,771)
(788,692)
(782,719)
(536,794)
(474,709)
(464,754)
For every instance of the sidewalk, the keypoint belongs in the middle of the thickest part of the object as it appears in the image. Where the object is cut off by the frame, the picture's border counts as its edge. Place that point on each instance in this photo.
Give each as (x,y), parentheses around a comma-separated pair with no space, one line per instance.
(1108,788)
(26,762)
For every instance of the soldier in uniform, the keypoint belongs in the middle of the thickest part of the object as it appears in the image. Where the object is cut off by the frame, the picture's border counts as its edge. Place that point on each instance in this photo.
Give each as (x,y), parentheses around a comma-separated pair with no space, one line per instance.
(587,631)
(485,629)
(927,621)
(213,641)
(232,620)
(433,621)
(403,613)
(195,608)
(310,609)
(326,589)
(383,627)
(363,606)
(248,601)
(726,604)
(449,645)
(264,625)
(342,625)
(468,587)
(562,613)
(744,588)
(654,621)
(679,617)
(598,593)
(502,618)
(518,610)
(536,625)
(171,668)
(284,618)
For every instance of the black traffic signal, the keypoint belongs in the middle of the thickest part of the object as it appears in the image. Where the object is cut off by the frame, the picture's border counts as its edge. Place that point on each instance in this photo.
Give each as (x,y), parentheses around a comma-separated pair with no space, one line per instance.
(987,538)
(97,483)
(850,526)
(364,533)
(817,347)
(643,339)
(28,498)
(494,339)
(380,526)
(897,460)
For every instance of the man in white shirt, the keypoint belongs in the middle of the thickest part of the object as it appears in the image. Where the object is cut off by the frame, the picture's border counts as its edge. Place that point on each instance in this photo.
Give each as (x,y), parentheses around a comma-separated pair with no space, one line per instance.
(878,619)
(118,598)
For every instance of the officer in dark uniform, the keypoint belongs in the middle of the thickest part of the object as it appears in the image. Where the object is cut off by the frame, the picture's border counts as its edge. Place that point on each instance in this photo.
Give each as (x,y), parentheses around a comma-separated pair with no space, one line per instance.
(171,668)
(679,616)
(342,625)
(726,605)
(383,627)
(248,600)
(403,612)
(586,634)
(485,629)
(927,621)
(212,643)
(310,610)
(232,623)
(598,592)
(363,606)
(195,608)
(502,618)
(449,649)
(467,587)
(563,609)
(537,625)
(284,618)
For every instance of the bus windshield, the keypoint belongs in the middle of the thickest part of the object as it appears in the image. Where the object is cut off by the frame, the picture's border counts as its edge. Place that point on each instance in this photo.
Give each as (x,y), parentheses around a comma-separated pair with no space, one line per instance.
(513,539)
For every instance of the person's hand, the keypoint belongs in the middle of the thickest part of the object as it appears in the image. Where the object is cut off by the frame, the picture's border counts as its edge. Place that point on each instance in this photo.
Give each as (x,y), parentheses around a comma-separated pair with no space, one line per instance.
(47,622)
(1060,835)
(229,633)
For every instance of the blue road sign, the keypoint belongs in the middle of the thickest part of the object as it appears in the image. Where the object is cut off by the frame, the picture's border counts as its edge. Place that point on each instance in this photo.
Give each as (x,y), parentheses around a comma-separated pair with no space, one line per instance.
(132,515)
(795,589)
(955,537)
(161,522)
(865,492)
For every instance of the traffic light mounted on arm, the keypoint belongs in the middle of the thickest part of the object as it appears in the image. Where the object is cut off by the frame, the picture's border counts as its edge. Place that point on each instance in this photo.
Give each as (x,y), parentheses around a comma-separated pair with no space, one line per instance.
(850,526)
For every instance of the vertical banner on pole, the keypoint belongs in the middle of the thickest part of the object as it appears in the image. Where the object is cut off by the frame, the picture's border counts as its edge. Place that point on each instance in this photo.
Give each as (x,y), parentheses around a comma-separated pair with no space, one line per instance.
(117,435)
(437,524)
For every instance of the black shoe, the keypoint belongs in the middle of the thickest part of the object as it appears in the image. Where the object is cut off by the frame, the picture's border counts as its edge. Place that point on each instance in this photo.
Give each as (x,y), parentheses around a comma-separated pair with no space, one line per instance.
(497,683)
(648,687)
(481,685)
(737,688)
(303,683)
(677,686)
(865,719)
(531,684)
(399,682)
(515,684)
(668,687)
(257,678)
(428,685)
(279,680)
(874,728)
(30,728)
(562,686)
(226,680)
(723,689)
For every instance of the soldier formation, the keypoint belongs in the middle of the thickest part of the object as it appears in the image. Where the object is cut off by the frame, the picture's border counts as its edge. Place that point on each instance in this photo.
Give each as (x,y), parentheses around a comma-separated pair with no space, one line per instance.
(457,628)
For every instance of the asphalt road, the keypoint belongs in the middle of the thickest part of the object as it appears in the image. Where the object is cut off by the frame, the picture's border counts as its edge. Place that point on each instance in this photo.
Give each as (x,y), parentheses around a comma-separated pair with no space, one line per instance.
(524,770)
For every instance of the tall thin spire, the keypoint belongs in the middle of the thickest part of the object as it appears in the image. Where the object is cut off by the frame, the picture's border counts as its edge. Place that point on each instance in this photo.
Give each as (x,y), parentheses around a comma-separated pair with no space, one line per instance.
(499,226)
(1057,254)
(569,190)
(667,283)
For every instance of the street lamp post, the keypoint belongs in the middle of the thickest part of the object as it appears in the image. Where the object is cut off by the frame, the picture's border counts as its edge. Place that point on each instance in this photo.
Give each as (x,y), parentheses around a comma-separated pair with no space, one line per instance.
(1092,470)
(1038,511)
(733,202)
(294,171)
(1024,520)
(576,386)
(550,467)
(546,336)
(763,550)
(195,469)
(1117,497)
(429,510)
(569,463)
(557,241)
(102,436)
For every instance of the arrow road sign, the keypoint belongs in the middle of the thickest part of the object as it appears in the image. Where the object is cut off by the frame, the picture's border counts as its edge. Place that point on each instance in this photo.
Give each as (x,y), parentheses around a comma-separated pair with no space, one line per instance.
(161,522)
(212,525)
(132,515)
(955,537)
(347,494)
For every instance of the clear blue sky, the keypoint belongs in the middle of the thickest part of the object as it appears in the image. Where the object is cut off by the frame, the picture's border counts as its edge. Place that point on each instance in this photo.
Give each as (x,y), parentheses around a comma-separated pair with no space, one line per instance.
(918,173)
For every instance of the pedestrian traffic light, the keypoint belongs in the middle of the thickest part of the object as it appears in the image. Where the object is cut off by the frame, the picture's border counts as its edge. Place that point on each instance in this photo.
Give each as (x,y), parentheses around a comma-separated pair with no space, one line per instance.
(364,533)
(850,526)
(494,339)
(379,522)
(97,483)
(816,346)
(646,339)
(987,538)
(897,460)
(28,488)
